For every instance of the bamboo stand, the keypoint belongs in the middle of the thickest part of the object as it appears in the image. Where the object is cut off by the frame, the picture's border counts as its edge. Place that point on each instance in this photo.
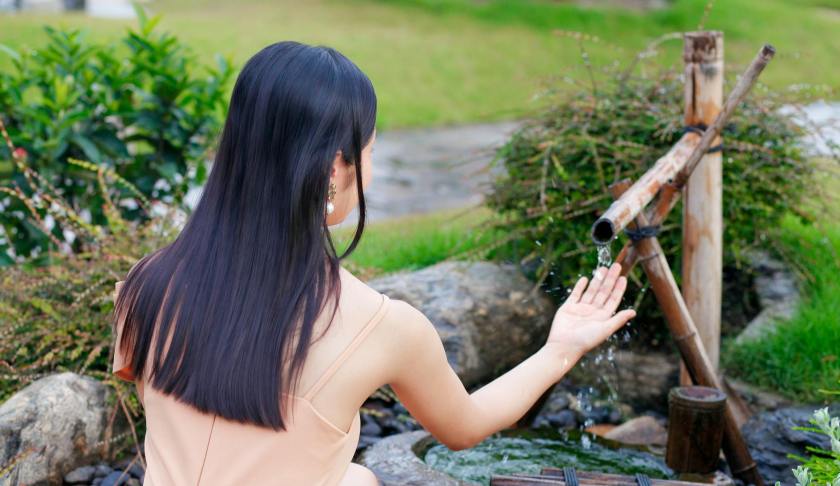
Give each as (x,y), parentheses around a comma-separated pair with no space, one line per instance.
(667,178)
(628,210)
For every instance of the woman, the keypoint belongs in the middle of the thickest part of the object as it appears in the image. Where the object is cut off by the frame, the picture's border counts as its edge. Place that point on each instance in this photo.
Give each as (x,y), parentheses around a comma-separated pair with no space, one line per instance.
(275,345)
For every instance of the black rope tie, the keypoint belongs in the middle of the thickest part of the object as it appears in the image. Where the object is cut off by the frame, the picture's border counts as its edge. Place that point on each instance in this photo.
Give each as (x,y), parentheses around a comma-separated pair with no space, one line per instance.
(569,476)
(641,233)
(699,129)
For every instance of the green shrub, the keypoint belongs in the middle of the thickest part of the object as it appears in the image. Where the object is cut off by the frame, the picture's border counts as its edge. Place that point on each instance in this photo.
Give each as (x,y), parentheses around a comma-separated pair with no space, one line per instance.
(143,108)
(55,317)
(558,166)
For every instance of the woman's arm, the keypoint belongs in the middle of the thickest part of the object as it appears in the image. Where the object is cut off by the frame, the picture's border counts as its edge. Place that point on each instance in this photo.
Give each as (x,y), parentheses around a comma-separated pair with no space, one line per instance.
(434,395)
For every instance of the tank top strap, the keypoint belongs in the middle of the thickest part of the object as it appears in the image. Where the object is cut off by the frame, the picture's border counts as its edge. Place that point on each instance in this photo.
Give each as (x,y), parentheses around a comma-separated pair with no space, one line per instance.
(354,343)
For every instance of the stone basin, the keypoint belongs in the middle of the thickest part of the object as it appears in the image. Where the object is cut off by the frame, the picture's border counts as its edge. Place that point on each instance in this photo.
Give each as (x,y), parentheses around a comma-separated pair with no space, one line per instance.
(417,458)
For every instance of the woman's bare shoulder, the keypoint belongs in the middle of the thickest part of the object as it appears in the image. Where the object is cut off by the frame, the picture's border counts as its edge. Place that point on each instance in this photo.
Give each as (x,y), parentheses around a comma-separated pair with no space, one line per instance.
(400,314)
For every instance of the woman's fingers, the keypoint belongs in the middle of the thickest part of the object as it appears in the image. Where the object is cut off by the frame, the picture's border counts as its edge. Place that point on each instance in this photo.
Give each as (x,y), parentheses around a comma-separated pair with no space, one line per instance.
(577,291)
(620,319)
(594,285)
(607,286)
(615,297)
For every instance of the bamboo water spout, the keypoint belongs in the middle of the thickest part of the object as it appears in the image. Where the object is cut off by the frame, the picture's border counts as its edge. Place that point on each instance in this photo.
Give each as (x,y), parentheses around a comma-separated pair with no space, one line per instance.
(677,165)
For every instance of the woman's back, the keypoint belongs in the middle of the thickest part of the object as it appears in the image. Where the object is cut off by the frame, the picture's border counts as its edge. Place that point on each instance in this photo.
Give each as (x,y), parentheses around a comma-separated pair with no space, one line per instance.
(185,446)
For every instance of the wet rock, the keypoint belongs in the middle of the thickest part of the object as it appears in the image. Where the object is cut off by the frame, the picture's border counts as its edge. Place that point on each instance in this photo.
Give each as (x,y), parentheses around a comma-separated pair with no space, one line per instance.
(137,471)
(61,417)
(564,419)
(642,379)
(758,400)
(486,315)
(103,470)
(644,430)
(116,478)
(371,428)
(80,475)
(771,438)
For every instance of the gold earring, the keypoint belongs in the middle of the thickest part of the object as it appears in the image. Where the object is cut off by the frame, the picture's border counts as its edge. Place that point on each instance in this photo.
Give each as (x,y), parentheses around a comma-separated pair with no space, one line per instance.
(330,197)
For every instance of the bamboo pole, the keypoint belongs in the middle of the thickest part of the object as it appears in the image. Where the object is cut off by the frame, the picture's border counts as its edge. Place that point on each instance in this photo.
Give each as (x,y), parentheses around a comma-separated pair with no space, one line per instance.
(681,325)
(702,240)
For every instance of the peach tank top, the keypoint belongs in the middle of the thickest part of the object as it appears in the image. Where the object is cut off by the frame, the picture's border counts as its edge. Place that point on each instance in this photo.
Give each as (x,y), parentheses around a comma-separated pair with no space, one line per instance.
(185,447)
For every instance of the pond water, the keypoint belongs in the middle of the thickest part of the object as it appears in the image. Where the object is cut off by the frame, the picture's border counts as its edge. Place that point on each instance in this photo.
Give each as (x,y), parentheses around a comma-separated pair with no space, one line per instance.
(528,451)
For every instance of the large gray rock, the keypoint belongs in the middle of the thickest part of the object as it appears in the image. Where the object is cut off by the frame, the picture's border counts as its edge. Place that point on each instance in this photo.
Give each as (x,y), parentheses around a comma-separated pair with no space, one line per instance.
(61,418)
(486,314)
(395,462)
(640,379)
(771,438)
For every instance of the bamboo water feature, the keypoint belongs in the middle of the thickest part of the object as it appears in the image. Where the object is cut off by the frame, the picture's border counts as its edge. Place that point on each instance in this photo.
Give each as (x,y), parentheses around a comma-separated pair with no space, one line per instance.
(668,176)
(689,167)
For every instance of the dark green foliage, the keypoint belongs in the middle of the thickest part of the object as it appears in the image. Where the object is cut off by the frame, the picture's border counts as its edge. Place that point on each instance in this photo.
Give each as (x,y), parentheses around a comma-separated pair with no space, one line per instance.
(559,165)
(143,108)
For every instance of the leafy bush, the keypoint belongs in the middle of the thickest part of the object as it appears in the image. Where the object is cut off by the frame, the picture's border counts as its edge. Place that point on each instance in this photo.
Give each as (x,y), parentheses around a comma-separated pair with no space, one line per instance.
(559,164)
(55,317)
(146,110)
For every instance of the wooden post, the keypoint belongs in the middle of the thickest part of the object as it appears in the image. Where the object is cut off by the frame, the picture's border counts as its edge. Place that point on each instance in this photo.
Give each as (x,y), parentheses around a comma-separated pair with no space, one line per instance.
(702,243)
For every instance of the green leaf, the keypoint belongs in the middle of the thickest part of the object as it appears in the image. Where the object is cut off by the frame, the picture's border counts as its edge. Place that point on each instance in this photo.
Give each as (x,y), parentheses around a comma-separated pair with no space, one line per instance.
(10,52)
(88,147)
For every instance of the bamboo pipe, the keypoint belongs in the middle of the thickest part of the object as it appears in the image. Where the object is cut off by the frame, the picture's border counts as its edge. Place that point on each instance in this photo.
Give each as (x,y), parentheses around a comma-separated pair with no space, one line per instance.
(624,209)
(681,325)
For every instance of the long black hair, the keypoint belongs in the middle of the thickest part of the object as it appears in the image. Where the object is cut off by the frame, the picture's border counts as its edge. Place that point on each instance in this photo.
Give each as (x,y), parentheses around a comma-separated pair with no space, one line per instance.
(239,290)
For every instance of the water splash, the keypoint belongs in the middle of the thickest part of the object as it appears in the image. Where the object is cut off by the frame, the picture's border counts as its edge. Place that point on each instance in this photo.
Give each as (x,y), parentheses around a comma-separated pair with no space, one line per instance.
(604,255)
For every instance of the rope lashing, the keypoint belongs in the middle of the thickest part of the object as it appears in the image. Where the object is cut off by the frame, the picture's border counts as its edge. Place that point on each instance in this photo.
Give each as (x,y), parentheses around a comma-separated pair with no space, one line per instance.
(699,129)
(641,233)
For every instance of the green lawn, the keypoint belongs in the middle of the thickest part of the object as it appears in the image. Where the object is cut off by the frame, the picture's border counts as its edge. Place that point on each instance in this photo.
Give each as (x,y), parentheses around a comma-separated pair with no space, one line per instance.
(448,61)
(803,356)
(414,242)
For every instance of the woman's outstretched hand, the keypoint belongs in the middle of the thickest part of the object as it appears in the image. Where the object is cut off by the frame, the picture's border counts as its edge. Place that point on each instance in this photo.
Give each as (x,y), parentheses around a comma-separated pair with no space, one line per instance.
(588,316)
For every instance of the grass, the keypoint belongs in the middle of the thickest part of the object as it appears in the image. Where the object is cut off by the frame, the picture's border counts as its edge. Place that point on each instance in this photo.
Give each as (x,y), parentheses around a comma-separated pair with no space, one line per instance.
(803,355)
(452,61)
(414,242)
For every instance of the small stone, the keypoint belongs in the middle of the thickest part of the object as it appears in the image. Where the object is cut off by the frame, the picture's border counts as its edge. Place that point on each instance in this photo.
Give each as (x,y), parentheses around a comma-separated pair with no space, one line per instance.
(83,474)
(371,428)
(597,414)
(564,419)
(103,470)
(643,430)
(600,429)
(366,440)
(116,478)
(96,482)
(136,470)
(134,482)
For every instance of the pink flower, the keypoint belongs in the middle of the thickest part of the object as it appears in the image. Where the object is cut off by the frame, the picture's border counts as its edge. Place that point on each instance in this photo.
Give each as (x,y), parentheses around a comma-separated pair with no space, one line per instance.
(20,153)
